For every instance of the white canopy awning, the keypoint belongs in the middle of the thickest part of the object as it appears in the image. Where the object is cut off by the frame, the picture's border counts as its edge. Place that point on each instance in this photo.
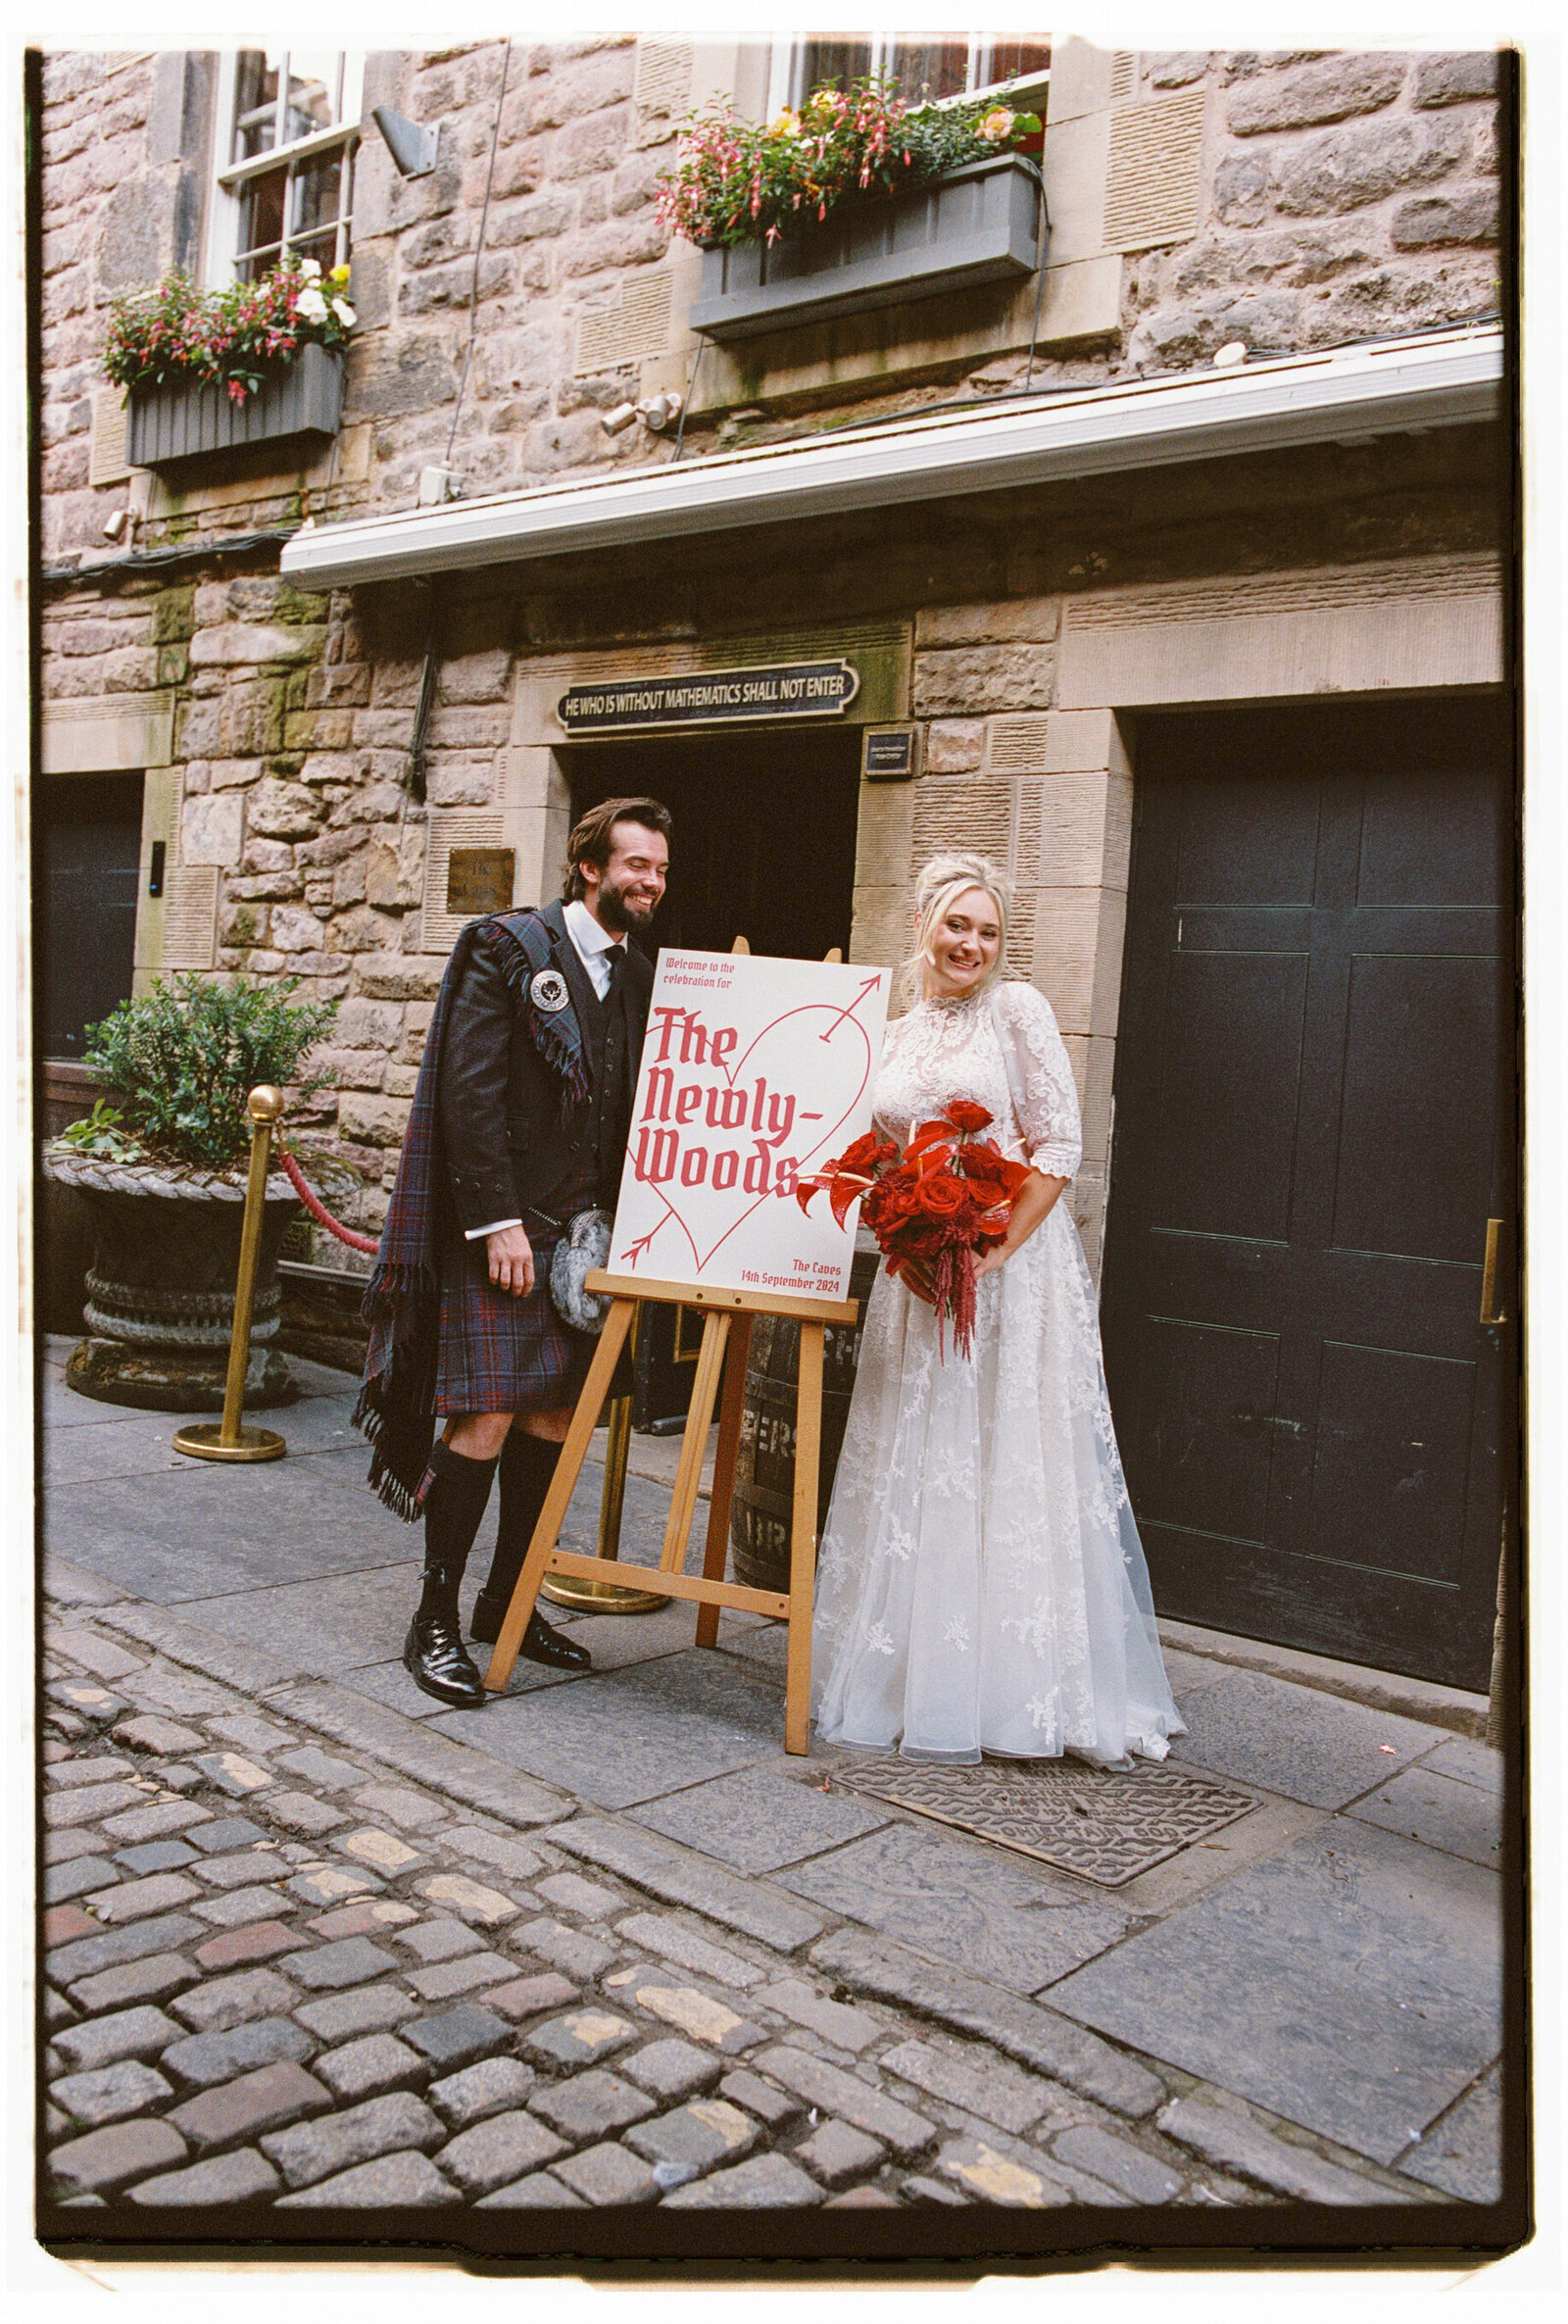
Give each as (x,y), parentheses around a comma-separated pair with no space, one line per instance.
(1347,395)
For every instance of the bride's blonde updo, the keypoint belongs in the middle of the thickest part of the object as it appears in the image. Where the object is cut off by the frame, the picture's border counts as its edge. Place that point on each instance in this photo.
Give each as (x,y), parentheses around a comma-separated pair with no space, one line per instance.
(939,885)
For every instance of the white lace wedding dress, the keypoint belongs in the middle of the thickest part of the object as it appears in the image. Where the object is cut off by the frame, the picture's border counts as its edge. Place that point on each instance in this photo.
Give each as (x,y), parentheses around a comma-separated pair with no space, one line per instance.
(981,1585)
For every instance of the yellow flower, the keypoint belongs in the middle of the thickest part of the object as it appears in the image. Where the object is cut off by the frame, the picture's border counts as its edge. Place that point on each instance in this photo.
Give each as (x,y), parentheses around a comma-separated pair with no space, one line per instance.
(785,123)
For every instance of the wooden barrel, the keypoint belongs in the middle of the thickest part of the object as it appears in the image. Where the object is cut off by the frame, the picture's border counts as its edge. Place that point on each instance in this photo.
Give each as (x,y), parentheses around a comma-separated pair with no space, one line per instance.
(765,1471)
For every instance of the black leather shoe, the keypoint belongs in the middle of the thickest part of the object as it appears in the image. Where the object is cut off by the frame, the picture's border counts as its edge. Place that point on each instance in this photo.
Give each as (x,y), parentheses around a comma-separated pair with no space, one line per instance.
(435,1659)
(541,1643)
(484,1623)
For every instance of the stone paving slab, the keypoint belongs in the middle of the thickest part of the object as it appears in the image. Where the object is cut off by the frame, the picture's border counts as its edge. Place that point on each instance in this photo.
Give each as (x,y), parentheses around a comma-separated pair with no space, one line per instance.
(325,1625)
(1466,1760)
(558,1734)
(1441,1812)
(389,1683)
(758,1821)
(97,1450)
(1293,1740)
(303,1522)
(617,1641)
(1461,2155)
(1350,1984)
(686,1878)
(1000,1915)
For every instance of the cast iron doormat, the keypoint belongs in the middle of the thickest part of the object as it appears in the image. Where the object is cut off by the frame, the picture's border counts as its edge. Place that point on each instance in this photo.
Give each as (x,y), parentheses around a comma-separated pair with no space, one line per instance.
(1104,1825)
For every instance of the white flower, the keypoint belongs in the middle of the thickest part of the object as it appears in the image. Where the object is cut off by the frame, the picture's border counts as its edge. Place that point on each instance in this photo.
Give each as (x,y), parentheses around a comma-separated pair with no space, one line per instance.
(311,306)
(310,268)
(956,1634)
(1039,1712)
(879,1640)
(344,313)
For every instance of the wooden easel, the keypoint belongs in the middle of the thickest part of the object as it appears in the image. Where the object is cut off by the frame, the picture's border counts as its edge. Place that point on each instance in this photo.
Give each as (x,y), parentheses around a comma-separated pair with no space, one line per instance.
(726,1327)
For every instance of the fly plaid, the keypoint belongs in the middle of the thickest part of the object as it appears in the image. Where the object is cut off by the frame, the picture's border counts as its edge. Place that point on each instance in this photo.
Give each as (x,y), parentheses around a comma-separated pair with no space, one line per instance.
(397,1401)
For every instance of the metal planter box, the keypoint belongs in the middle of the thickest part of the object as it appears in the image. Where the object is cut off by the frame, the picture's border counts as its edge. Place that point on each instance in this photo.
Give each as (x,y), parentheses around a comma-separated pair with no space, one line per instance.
(978,224)
(179,422)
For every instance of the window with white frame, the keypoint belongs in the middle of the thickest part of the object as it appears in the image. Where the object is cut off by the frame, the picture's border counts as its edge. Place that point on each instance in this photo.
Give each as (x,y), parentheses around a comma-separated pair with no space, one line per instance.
(946,66)
(288,127)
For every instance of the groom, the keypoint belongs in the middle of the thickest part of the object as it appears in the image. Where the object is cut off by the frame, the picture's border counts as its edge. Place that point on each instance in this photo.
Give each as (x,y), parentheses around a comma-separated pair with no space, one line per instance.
(519,1120)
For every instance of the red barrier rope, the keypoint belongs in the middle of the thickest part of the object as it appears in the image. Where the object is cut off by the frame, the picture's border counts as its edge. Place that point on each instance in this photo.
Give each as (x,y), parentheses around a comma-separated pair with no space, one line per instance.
(320,1213)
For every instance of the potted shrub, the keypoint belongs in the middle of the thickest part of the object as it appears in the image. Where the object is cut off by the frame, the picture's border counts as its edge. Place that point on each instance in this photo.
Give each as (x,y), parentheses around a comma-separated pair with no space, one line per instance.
(206,371)
(162,1172)
(855,200)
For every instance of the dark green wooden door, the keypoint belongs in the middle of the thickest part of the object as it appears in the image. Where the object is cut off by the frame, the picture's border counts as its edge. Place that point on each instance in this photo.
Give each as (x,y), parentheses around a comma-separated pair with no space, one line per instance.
(1314,1124)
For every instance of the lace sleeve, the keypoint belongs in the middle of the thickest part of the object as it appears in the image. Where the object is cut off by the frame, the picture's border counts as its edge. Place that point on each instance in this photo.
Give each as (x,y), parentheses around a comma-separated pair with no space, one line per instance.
(1039,1075)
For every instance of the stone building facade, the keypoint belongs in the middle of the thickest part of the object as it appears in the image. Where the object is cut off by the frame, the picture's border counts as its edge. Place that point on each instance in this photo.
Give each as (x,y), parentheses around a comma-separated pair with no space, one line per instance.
(1305,218)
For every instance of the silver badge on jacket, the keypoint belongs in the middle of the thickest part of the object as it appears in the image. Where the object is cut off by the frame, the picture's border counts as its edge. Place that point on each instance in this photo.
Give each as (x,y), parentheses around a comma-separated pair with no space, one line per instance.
(548,992)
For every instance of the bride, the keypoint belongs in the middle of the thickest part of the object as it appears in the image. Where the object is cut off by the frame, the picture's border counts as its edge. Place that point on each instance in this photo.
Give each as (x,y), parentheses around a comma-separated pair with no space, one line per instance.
(981,1585)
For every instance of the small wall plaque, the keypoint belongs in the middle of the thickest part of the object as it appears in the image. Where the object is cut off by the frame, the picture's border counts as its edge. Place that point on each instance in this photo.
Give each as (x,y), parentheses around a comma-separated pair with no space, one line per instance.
(891,754)
(479,879)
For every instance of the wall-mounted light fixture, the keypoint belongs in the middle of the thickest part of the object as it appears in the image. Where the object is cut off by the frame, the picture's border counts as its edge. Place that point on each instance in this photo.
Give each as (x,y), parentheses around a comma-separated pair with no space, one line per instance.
(410,144)
(121,525)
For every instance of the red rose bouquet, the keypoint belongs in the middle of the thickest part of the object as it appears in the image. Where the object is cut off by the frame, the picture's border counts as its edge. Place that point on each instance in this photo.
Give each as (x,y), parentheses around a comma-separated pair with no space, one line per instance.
(941,1203)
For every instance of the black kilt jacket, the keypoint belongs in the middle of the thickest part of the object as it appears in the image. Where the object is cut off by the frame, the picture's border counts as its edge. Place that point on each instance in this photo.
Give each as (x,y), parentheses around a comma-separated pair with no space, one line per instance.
(515,1141)
(518,1140)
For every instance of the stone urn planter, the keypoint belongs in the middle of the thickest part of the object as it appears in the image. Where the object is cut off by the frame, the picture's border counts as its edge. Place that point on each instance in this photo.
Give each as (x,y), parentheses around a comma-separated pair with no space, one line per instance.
(185,418)
(161,1285)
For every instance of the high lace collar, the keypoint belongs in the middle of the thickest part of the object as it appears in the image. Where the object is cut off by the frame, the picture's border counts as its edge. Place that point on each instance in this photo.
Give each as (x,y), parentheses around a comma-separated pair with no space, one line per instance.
(953,1004)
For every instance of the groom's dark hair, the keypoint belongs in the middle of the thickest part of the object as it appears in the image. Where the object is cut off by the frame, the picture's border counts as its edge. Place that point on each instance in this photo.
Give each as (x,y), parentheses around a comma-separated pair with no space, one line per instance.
(590,841)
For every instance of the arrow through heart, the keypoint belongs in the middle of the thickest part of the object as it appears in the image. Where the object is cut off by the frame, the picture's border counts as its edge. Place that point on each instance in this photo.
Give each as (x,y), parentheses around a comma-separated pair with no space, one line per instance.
(807,1063)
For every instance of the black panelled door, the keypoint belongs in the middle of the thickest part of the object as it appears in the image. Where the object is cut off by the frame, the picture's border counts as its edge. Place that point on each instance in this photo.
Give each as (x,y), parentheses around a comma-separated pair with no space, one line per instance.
(1314,1124)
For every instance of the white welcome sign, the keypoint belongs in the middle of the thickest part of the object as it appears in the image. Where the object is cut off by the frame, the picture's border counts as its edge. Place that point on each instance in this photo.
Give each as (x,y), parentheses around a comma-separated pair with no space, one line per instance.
(754,1072)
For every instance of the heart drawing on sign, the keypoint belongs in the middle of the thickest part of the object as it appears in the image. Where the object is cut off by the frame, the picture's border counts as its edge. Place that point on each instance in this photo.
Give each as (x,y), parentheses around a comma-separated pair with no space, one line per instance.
(715,1138)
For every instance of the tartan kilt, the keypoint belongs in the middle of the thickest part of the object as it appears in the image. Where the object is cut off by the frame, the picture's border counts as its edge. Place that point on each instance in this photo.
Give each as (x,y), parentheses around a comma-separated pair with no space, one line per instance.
(499,1353)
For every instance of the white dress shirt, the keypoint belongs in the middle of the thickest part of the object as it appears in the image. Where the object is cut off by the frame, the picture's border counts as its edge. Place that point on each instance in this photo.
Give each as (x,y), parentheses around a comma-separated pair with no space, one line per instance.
(593,946)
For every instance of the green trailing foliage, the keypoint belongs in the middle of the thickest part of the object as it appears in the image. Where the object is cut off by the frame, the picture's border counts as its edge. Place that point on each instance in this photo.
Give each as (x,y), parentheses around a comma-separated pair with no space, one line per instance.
(233,338)
(183,1057)
(102,1135)
(735,181)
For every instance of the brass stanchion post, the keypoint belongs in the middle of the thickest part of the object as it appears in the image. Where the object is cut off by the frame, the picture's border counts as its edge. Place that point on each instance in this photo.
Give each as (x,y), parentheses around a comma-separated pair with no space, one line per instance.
(607,1598)
(227,1439)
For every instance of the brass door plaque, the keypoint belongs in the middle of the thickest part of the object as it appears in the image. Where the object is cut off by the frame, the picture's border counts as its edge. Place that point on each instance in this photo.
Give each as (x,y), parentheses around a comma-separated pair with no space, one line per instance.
(479,879)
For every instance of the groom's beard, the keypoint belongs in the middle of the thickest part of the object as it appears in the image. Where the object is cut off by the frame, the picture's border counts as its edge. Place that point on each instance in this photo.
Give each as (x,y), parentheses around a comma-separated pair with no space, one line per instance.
(616,916)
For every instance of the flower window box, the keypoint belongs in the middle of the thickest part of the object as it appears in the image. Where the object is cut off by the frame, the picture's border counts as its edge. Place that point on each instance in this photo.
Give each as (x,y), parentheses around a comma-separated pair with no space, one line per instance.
(979,223)
(186,417)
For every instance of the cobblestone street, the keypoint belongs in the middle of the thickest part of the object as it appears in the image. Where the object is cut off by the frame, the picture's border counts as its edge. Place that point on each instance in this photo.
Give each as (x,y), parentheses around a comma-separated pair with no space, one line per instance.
(311,1946)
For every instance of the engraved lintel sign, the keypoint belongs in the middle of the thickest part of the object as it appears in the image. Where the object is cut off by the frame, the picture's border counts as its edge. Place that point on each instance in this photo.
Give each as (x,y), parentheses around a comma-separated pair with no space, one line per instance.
(712,697)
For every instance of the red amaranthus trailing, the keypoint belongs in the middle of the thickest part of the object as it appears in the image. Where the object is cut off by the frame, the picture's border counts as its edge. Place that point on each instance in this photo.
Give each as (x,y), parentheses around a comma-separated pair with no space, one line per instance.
(939,1204)
(232,337)
(739,181)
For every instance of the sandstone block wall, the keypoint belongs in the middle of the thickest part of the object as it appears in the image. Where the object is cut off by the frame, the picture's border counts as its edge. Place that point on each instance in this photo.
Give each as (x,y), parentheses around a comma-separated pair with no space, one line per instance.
(1345,197)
